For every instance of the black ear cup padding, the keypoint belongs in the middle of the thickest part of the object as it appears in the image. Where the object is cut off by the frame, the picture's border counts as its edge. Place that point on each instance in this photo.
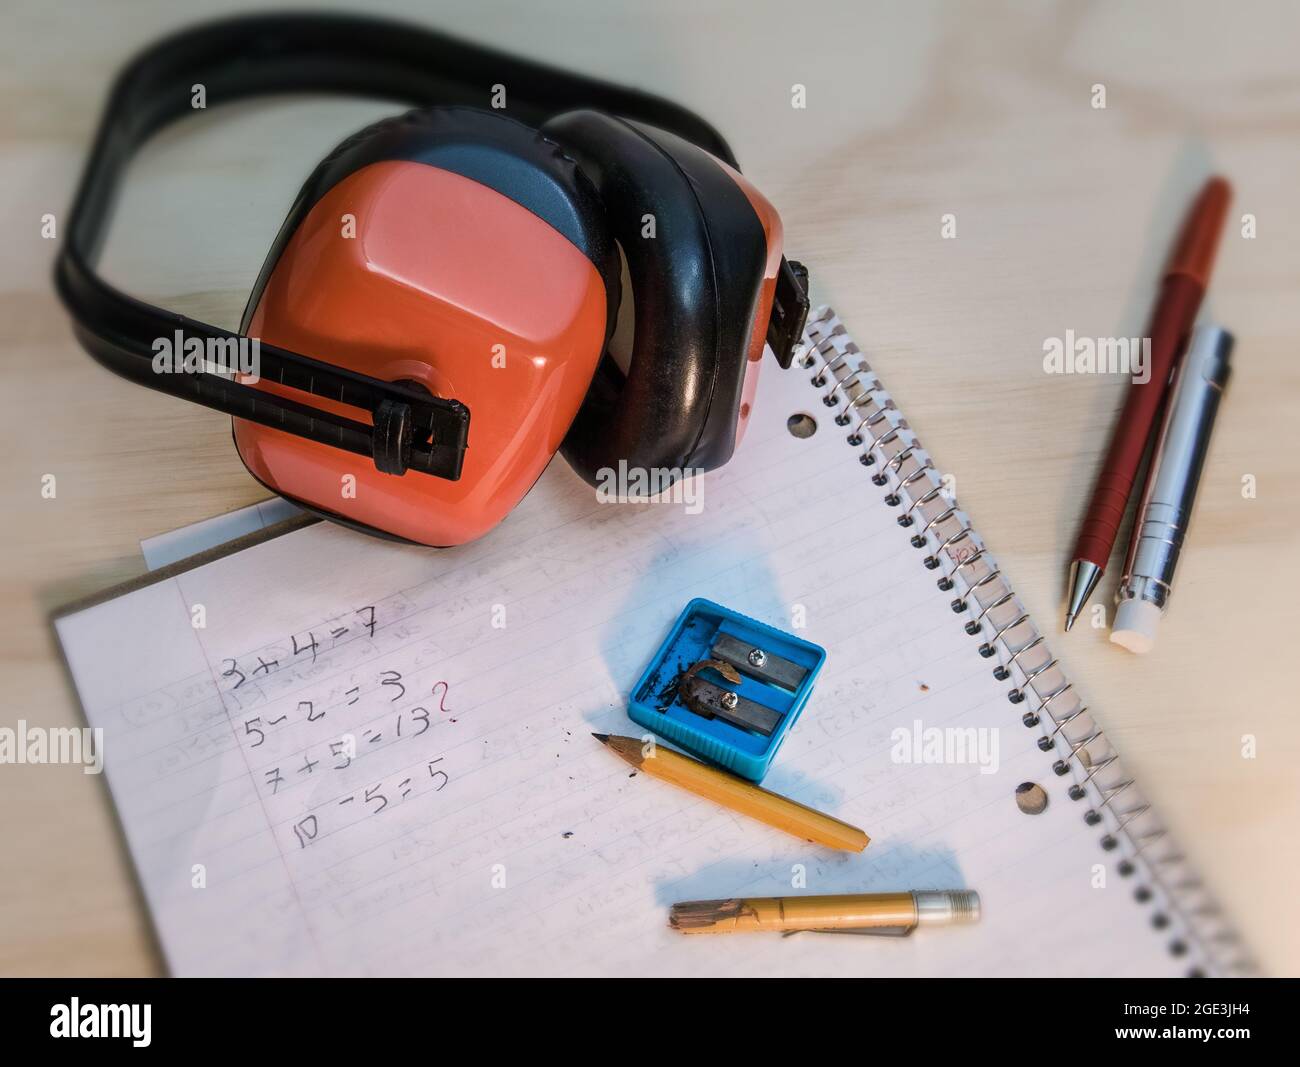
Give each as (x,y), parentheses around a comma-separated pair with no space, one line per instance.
(696,251)
(490,148)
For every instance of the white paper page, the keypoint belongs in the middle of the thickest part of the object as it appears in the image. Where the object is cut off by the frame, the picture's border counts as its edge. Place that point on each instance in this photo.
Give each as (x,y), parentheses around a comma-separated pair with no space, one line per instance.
(494,835)
(175,545)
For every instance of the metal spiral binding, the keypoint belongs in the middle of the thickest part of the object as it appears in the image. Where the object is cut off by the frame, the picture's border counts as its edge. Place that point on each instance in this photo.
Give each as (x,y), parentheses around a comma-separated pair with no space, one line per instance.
(1084,756)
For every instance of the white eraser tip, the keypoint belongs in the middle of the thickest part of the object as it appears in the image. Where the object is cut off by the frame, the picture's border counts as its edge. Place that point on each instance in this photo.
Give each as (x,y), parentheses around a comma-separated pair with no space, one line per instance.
(1136,623)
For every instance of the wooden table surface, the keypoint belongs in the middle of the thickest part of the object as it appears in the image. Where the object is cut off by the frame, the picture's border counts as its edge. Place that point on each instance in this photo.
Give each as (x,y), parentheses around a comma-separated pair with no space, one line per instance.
(914,111)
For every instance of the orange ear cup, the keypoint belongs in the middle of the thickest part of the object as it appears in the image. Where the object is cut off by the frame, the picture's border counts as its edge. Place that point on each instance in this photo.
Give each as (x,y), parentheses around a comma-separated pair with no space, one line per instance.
(406,271)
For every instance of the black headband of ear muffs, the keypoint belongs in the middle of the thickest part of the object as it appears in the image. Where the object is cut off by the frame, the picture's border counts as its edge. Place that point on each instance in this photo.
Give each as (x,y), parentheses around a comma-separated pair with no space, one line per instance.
(262,55)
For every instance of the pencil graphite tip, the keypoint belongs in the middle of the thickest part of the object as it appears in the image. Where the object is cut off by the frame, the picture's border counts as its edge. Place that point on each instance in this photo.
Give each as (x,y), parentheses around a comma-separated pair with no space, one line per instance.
(1084,576)
(602,738)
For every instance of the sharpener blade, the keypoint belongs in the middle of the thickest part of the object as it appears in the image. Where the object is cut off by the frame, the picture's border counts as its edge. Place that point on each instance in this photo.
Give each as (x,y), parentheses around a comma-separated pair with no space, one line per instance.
(705,698)
(758,663)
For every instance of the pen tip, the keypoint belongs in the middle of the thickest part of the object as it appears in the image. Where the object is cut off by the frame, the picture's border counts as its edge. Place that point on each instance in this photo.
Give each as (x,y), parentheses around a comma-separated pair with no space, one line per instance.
(602,738)
(1084,576)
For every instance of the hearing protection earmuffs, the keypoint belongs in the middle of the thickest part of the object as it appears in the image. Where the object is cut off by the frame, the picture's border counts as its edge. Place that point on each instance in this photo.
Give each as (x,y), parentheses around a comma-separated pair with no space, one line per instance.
(441,297)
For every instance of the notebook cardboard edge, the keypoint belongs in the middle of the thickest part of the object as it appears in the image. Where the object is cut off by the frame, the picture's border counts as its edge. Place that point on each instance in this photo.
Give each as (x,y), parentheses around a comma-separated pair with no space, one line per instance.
(189,563)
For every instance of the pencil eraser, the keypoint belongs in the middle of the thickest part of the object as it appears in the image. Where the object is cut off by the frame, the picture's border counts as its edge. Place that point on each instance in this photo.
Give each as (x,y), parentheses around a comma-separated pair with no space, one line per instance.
(1136,623)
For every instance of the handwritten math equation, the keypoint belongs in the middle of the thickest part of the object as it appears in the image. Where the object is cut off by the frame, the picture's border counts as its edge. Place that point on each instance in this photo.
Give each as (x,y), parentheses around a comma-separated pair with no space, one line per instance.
(340,753)
(375,799)
(335,631)
(318,722)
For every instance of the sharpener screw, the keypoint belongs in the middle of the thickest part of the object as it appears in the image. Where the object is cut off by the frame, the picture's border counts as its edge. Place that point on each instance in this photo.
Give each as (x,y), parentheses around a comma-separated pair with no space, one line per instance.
(730,700)
(757,657)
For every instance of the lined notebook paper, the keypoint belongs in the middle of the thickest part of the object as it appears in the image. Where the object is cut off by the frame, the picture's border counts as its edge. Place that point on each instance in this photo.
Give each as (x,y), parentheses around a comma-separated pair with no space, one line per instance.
(376,759)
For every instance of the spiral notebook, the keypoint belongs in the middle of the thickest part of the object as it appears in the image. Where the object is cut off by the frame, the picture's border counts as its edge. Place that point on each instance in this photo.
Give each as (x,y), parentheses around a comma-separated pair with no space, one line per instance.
(334,755)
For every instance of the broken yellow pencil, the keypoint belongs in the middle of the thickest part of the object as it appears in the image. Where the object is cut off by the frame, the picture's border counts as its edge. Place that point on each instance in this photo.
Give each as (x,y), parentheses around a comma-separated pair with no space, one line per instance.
(737,794)
(895,913)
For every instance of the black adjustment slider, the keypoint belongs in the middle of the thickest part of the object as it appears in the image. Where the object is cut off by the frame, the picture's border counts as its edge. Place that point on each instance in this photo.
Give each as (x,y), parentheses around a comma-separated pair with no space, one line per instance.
(789,310)
(392,436)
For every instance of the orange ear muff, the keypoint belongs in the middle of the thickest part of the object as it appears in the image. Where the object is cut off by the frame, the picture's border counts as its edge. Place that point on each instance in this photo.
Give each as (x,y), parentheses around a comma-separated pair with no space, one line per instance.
(431,322)
(460,251)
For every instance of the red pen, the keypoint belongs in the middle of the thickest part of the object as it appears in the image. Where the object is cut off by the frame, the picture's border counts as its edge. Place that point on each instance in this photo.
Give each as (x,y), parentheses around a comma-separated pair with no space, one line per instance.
(1181,291)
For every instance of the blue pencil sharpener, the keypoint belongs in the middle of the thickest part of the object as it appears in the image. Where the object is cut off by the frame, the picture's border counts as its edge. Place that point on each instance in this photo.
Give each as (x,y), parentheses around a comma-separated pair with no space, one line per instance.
(726,687)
